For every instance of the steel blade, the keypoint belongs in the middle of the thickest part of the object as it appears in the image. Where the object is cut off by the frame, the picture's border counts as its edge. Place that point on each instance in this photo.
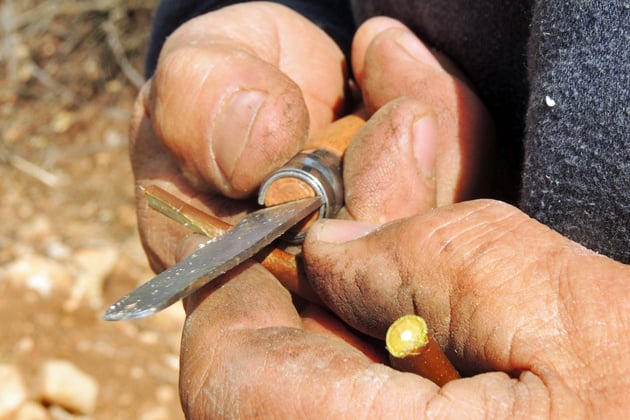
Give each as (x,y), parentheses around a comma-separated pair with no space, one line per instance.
(240,243)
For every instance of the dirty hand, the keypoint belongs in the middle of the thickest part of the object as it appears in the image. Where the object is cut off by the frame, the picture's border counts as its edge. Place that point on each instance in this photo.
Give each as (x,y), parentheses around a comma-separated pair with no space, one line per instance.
(234,96)
(538,323)
(246,349)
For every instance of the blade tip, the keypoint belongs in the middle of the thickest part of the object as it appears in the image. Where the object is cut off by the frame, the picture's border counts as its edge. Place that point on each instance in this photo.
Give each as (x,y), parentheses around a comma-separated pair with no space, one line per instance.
(117,313)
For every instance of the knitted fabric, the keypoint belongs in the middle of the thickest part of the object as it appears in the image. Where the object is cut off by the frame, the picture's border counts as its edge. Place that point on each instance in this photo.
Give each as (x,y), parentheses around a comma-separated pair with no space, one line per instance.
(576,175)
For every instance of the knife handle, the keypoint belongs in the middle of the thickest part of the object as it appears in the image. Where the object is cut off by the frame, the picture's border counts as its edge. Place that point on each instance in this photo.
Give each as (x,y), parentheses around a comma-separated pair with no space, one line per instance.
(285,266)
(315,171)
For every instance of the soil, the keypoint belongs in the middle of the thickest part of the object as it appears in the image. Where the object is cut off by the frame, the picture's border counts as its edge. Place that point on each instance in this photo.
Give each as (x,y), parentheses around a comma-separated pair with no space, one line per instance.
(68,240)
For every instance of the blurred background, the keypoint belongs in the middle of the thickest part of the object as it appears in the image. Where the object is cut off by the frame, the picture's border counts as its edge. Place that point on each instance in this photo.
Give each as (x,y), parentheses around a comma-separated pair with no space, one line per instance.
(69,72)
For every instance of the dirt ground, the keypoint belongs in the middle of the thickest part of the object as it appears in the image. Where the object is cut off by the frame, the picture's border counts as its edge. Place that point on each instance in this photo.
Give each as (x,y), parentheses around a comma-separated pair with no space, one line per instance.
(68,241)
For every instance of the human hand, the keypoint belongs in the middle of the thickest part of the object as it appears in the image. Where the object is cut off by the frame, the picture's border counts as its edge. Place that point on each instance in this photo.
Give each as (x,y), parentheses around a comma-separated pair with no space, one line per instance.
(541,322)
(392,121)
(546,318)
(234,96)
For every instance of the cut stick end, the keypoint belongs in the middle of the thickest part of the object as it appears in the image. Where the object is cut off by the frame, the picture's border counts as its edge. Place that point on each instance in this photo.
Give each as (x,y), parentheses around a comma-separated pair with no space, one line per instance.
(284,190)
(407,336)
(412,349)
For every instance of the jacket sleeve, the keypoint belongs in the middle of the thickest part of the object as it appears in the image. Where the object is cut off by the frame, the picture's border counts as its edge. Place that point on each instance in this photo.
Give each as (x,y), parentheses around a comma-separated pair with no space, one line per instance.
(333,16)
(576,171)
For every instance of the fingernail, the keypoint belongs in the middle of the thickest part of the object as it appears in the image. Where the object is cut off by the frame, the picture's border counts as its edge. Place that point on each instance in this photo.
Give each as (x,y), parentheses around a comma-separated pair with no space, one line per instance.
(425,136)
(232,130)
(415,48)
(338,231)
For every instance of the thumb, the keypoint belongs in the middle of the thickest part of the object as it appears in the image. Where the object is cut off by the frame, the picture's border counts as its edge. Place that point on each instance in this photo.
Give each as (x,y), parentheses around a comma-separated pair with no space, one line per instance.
(229,119)
(235,93)
(455,266)
(389,167)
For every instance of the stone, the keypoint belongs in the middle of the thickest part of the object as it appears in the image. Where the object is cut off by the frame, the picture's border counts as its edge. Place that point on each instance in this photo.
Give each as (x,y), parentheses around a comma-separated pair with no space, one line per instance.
(32,411)
(62,121)
(93,265)
(37,273)
(166,394)
(38,229)
(62,383)
(59,413)
(12,389)
(156,413)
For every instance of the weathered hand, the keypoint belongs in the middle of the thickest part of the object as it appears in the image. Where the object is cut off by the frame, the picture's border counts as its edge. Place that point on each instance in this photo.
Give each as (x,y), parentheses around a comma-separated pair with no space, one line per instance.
(245,337)
(541,322)
(234,96)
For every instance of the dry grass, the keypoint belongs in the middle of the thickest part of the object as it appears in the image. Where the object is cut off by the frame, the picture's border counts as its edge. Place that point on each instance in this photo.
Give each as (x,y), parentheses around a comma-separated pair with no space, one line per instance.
(69,72)
(63,55)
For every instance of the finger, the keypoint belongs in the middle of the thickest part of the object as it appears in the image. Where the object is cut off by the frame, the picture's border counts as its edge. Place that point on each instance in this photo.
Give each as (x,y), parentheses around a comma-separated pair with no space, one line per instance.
(370,29)
(276,35)
(244,352)
(364,37)
(232,125)
(389,168)
(393,63)
(481,273)
(152,164)
(232,104)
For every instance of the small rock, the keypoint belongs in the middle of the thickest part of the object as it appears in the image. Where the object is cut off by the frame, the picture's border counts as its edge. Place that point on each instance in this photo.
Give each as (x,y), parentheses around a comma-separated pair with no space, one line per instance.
(113,138)
(64,384)
(62,121)
(93,265)
(172,361)
(12,389)
(38,273)
(149,337)
(38,229)
(59,413)
(114,86)
(166,394)
(156,413)
(136,372)
(57,250)
(32,411)
(92,69)
(24,345)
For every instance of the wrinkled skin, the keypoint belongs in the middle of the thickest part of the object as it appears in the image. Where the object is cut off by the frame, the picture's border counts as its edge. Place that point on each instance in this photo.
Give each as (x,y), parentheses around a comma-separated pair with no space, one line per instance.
(537,323)
(541,322)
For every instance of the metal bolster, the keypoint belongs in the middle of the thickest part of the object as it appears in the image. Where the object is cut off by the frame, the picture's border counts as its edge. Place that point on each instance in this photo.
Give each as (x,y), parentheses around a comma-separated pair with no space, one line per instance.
(321,170)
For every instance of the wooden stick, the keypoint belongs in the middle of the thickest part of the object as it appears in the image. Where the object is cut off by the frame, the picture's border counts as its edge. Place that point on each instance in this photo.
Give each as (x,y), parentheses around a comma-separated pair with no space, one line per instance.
(412,349)
(285,266)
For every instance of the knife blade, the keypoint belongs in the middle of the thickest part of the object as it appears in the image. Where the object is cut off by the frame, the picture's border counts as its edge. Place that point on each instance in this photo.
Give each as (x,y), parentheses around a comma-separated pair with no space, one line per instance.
(250,235)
